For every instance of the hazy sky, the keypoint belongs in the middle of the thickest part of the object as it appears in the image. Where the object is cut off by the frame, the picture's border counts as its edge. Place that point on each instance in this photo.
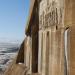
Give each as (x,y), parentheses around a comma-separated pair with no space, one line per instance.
(13,17)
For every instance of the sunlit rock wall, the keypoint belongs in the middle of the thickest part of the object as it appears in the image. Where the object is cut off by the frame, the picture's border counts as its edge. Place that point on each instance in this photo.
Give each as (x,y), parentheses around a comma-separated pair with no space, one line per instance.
(51,38)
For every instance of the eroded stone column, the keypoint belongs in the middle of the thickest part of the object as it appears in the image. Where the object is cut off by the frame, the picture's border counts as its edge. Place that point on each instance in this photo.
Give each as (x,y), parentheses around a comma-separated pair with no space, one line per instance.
(56,54)
(44,54)
(40,52)
(50,53)
(61,57)
(28,54)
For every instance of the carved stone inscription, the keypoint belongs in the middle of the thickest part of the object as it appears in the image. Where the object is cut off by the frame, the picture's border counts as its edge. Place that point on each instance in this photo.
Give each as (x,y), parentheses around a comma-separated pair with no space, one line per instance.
(48,14)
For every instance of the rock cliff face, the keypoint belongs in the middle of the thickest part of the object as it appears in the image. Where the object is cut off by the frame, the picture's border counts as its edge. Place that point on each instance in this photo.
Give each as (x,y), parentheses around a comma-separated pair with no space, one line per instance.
(16,69)
(48,48)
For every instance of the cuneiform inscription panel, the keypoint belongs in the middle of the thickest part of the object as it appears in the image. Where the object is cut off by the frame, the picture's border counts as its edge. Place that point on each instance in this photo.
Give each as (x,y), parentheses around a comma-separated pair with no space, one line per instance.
(49,13)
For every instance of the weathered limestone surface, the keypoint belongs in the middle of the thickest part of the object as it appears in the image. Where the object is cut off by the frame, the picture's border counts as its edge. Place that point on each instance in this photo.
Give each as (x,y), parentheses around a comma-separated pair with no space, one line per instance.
(28,54)
(51,37)
(48,48)
(52,58)
(70,21)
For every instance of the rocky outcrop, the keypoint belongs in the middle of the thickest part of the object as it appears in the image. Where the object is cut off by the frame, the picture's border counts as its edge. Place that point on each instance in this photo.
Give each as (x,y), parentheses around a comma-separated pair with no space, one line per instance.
(48,48)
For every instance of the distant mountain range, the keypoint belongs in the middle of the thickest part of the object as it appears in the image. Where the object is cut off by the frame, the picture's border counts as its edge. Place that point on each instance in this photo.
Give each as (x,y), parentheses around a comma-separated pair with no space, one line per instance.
(6,40)
(8,44)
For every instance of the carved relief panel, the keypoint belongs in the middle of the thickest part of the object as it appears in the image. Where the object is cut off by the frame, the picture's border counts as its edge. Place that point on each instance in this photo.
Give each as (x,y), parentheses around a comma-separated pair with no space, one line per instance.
(50,13)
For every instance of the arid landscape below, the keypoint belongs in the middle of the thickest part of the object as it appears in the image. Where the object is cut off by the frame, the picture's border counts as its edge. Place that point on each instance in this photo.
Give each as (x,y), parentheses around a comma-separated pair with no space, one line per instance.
(8,51)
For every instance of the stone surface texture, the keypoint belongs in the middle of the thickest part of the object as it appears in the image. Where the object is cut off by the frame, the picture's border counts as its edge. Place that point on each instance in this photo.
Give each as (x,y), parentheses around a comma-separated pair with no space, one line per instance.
(48,48)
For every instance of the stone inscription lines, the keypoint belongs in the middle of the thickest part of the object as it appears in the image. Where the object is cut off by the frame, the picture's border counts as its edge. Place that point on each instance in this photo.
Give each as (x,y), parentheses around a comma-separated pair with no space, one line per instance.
(49,15)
